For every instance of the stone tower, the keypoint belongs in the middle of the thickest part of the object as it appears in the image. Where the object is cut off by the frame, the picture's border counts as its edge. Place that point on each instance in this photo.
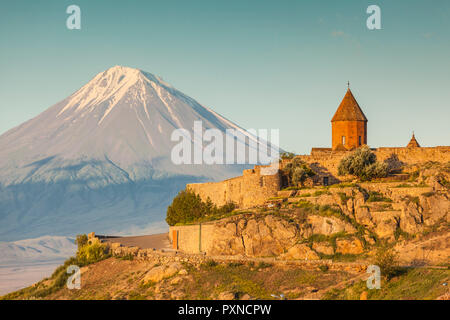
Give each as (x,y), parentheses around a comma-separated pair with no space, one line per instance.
(349,125)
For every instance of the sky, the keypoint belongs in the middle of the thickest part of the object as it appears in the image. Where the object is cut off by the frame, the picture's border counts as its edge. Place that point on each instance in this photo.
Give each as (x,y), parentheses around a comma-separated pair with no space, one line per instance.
(262,64)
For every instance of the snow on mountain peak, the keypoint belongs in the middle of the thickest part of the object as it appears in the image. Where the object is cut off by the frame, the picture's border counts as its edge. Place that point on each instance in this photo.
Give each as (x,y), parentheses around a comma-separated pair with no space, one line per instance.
(110,86)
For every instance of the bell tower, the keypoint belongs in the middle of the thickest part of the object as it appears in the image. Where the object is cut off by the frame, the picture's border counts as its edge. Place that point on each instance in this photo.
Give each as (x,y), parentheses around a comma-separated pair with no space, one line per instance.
(348,125)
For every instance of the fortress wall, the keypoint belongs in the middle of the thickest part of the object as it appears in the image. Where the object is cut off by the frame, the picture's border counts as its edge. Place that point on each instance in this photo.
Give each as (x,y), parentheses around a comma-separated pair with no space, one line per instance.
(415,155)
(326,161)
(193,238)
(250,189)
(253,189)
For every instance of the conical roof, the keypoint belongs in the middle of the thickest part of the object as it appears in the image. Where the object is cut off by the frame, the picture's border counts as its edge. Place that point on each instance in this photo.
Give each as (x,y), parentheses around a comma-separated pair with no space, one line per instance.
(413,143)
(349,109)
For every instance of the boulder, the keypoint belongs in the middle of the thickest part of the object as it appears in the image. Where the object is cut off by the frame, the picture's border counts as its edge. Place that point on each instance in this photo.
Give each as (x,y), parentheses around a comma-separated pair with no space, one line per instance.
(363,216)
(159,273)
(349,246)
(323,247)
(300,252)
(329,225)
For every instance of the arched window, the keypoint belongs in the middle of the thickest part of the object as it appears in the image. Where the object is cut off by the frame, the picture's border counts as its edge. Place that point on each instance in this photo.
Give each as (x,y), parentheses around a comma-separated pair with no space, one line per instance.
(359,140)
(343,140)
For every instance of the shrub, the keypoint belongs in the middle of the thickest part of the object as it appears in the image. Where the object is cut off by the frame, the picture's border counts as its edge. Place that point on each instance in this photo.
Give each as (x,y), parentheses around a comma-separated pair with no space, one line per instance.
(387,259)
(287,155)
(363,164)
(210,263)
(81,240)
(297,171)
(377,197)
(324,267)
(91,253)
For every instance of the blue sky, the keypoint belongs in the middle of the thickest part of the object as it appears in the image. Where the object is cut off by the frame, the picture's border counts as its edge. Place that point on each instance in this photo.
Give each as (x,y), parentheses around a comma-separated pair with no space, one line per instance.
(262,64)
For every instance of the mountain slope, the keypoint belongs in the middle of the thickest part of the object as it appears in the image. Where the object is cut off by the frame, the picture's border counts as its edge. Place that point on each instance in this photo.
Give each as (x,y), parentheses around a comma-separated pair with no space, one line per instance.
(100,159)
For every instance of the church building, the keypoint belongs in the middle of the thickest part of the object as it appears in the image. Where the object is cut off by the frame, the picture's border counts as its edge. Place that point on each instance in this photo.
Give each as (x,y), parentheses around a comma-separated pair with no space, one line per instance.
(348,125)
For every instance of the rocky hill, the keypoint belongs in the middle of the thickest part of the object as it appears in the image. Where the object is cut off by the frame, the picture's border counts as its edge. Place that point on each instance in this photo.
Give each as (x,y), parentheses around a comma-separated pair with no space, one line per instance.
(343,221)
(308,243)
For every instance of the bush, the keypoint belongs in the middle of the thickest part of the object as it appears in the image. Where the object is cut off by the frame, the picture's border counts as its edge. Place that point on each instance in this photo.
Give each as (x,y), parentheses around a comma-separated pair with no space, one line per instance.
(387,259)
(287,155)
(188,207)
(363,164)
(81,240)
(297,171)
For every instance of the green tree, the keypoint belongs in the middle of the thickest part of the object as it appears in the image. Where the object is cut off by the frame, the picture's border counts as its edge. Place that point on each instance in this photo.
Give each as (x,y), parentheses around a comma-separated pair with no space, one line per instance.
(188,207)
(185,207)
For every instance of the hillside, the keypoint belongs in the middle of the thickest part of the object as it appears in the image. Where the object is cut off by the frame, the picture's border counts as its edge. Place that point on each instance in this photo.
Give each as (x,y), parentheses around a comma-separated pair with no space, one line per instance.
(306,243)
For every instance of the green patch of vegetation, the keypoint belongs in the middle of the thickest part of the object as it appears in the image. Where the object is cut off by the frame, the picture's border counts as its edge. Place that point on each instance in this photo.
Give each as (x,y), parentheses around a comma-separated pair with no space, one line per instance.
(324,268)
(429,194)
(305,195)
(409,185)
(209,264)
(414,175)
(307,208)
(264,265)
(387,259)
(321,192)
(399,233)
(412,199)
(188,207)
(276,198)
(297,171)
(287,155)
(331,239)
(128,257)
(363,164)
(292,188)
(87,253)
(344,198)
(340,257)
(377,197)
(259,283)
(411,284)
(344,185)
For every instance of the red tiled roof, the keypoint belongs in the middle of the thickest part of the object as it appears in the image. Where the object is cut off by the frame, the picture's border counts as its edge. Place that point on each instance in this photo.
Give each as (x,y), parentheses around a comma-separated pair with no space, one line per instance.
(349,110)
(413,143)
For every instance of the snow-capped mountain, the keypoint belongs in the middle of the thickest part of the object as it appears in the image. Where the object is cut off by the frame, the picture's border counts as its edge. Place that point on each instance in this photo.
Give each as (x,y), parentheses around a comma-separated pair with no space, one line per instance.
(100,159)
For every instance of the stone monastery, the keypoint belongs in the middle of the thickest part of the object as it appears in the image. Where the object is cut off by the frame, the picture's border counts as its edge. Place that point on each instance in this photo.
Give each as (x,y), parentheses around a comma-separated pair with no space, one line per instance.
(349,131)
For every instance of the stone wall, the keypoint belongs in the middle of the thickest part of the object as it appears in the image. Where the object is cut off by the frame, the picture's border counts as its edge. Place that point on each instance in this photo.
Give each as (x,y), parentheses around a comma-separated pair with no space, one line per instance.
(415,155)
(326,162)
(253,189)
(249,190)
(192,238)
